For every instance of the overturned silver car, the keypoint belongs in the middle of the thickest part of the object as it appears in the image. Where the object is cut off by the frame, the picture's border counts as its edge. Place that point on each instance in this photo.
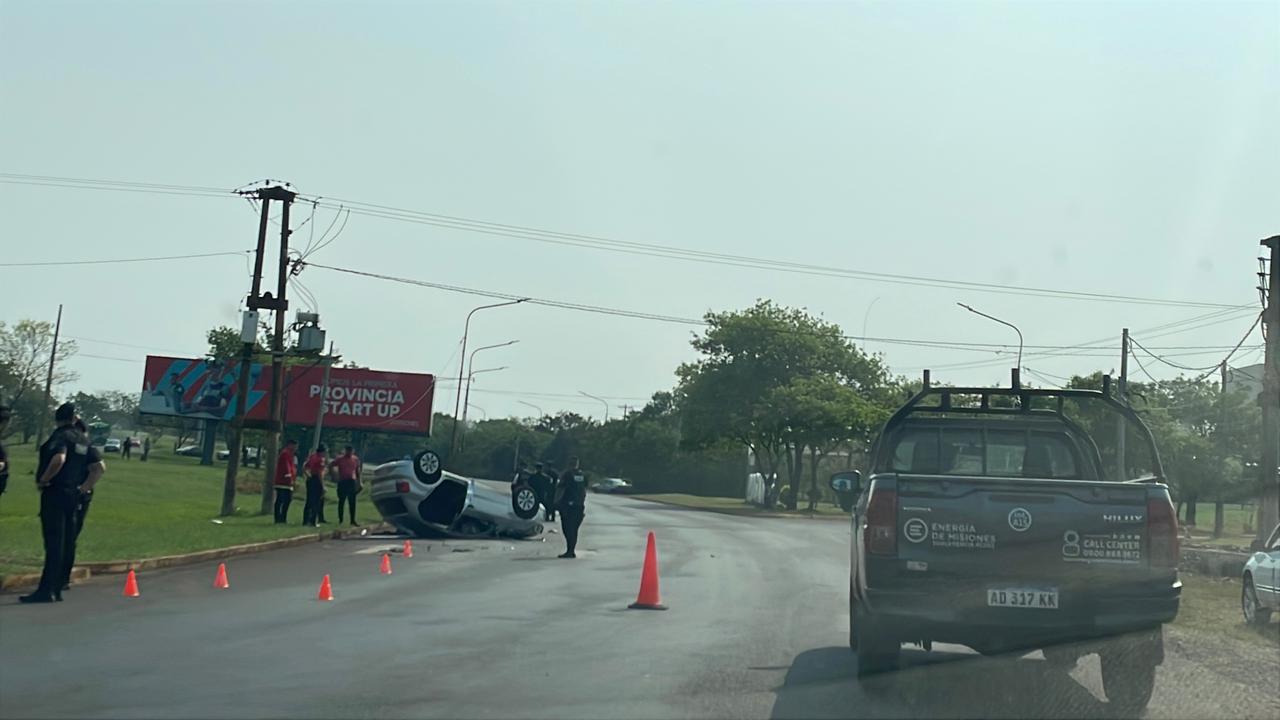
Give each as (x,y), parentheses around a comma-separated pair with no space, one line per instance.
(420,498)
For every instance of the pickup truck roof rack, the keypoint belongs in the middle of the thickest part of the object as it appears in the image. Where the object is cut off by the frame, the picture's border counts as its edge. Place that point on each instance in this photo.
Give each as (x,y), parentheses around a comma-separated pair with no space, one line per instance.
(1023,407)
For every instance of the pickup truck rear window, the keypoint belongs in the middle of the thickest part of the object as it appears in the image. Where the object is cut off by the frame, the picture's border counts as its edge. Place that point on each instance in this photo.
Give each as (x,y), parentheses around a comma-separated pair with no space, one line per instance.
(987,452)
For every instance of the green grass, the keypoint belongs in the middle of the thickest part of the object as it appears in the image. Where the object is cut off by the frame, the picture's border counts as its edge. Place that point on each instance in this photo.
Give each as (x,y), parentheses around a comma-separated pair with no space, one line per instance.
(1212,605)
(736,506)
(164,506)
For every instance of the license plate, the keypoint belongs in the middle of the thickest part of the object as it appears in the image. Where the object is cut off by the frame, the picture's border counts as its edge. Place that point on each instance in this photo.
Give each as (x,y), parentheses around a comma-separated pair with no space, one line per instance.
(1039,599)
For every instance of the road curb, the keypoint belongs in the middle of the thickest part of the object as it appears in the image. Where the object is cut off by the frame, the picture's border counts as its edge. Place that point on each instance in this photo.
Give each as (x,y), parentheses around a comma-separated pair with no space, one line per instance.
(720,511)
(84,571)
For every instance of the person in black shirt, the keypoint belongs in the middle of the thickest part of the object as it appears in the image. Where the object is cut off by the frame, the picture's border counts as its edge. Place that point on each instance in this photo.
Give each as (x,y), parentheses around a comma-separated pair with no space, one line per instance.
(69,467)
(540,481)
(571,501)
(82,505)
(5,414)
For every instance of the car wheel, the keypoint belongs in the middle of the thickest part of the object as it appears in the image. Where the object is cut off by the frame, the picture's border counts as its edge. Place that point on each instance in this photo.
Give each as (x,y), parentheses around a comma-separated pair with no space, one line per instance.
(1128,674)
(878,651)
(1254,613)
(426,465)
(524,501)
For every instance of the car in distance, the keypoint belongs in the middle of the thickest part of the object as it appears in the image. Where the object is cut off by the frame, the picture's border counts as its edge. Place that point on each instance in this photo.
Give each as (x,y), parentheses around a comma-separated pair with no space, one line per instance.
(989,520)
(1260,585)
(612,485)
(112,445)
(188,451)
(418,497)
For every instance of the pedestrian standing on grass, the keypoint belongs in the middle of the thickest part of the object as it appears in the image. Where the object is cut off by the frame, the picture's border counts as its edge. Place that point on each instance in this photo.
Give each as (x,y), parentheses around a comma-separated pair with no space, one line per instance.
(146,447)
(126,448)
(571,501)
(285,480)
(315,466)
(348,466)
(69,466)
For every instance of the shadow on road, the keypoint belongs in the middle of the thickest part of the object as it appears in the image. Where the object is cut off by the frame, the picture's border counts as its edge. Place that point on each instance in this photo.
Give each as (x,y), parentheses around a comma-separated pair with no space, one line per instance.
(822,683)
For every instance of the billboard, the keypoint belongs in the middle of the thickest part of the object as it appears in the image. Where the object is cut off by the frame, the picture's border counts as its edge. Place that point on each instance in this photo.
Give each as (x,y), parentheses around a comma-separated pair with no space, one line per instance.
(356,399)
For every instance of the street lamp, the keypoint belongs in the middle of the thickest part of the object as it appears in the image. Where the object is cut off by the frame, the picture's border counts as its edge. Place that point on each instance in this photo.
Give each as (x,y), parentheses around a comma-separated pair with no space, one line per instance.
(1002,322)
(482,410)
(867,316)
(467,399)
(601,400)
(535,407)
(466,327)
(464,359)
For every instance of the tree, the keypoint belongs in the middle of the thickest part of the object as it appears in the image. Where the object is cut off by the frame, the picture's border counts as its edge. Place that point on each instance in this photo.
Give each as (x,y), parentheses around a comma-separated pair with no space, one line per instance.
(747,356)
(24,360)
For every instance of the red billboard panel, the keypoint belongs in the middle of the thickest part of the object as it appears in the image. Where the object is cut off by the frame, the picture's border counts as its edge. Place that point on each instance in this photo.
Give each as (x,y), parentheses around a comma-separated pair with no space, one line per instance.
(361,399)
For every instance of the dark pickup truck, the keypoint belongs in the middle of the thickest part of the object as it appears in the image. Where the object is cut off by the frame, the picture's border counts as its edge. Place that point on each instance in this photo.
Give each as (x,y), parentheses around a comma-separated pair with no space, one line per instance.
(987,520)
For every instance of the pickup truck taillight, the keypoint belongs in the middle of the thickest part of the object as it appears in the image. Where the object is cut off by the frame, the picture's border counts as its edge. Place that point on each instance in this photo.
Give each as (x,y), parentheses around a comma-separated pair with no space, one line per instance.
(881,533)
(402,487)
(1162,533)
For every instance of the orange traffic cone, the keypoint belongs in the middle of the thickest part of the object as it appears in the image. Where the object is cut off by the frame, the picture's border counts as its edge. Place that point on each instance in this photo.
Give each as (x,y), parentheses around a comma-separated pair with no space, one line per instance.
(326,592)
(386,564)
(408,549)
(220,581)
(649,597)
(131,585)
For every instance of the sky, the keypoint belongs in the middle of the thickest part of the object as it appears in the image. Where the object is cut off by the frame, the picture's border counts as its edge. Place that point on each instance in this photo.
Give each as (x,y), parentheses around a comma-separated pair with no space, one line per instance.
(1114,148)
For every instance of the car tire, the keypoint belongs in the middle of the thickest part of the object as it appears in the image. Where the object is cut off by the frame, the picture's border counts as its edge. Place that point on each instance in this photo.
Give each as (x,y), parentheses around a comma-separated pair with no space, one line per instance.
(427,467)
(1129,673)
(524,501)
(878,652)
(1254,613)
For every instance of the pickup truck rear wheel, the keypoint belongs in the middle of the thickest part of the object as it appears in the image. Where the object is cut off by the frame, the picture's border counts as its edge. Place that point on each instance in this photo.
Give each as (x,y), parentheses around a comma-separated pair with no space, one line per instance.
(1129,672)
(877,651)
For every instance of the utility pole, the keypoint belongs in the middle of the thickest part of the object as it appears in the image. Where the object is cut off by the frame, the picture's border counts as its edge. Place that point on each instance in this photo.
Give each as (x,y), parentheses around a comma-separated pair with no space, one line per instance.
(1269,508)
(258,301)
(281,306)
(1122,389)
(48,381)
(1219,507)
(324,399)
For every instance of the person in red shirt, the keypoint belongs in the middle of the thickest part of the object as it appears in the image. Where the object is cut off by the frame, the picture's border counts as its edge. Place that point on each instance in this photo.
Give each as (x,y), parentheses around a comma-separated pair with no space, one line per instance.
(348,465)
(314,467)
(286,477)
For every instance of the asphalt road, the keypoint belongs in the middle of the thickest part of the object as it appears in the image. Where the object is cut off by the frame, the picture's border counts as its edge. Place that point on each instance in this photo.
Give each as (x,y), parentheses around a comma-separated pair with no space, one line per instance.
(757,627)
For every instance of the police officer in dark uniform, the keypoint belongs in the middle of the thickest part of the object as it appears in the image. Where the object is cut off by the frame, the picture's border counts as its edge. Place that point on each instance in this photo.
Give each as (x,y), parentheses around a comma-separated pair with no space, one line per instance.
(82,504)
(68,467)
(571,501)
(540,481)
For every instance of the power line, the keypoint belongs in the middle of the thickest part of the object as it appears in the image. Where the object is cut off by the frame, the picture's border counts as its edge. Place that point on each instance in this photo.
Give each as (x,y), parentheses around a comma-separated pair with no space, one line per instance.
(112,261)
(676,253)
(1209,368)
(605,244)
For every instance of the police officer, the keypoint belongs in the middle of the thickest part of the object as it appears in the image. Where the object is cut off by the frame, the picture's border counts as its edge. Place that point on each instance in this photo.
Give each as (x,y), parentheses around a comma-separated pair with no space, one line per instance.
(540,481)
(82,504)
(571,501)
(68,467)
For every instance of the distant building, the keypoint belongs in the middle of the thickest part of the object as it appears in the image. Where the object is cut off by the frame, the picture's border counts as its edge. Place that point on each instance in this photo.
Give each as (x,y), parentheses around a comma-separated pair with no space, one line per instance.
(1246,379)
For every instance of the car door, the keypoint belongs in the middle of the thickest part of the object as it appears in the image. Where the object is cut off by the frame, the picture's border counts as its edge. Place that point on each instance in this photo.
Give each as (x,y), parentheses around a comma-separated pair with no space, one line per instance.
(1269,570)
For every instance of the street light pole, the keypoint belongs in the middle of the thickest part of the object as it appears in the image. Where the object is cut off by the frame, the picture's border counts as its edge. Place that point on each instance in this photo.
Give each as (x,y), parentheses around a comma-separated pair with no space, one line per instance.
(601,400)
(1002,322)
(467,398)
(867,316)
(535,407)
(466,327)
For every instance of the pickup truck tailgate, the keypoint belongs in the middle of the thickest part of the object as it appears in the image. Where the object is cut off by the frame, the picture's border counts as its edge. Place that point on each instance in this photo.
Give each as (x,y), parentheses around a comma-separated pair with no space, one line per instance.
(1020,528)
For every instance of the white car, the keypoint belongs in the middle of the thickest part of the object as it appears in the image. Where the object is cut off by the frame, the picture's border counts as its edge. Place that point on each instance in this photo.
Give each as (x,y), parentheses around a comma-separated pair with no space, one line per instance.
(612,485)
(419,498)
(1260,591)
(112,445)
